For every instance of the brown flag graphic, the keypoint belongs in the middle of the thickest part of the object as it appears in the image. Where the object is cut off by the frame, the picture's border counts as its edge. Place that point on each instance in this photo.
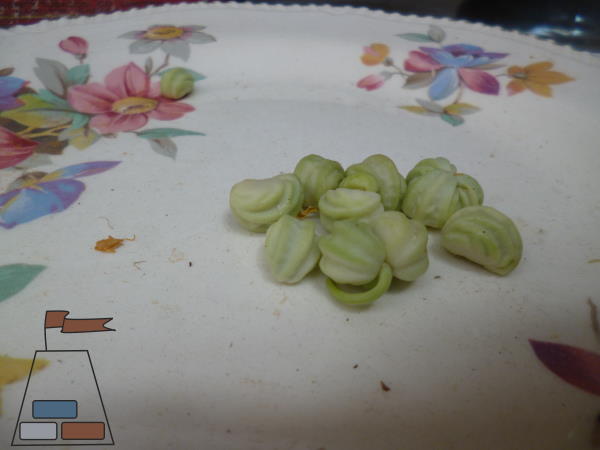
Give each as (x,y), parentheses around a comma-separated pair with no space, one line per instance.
(58,319)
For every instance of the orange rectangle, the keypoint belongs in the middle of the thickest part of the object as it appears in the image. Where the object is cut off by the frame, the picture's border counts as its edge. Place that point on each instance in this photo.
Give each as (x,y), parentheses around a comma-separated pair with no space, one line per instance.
(82,430)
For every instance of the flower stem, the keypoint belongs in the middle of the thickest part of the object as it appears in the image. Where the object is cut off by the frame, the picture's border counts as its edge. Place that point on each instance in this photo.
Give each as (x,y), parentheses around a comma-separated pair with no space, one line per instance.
(161,67)
(399,70)
(49,132)
(389,62)
(460,93)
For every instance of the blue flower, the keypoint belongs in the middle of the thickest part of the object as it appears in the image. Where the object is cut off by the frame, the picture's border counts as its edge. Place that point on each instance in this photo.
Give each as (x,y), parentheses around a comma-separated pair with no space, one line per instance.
(453,65)
(9,86)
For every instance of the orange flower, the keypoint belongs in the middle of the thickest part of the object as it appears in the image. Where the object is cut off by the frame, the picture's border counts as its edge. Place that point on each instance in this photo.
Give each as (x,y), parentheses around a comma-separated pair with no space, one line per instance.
(375,54)
(536,77)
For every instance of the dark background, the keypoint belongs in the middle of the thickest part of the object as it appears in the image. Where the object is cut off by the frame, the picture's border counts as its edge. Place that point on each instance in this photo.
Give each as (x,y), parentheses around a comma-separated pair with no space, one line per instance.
(573,22)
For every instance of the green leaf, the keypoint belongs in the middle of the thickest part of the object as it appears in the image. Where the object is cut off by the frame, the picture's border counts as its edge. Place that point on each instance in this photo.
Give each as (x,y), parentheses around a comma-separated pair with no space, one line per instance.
(37,113)
(436,33)
(79,74)
(430,106)
(452,120)
(159,133)
(415,109)
(460,109)
(165,147)
(81,138)
(415,37)
(418,80)
(79,121)
(197,76)
(53,75)
(53,99)
(34,161)
(14,278)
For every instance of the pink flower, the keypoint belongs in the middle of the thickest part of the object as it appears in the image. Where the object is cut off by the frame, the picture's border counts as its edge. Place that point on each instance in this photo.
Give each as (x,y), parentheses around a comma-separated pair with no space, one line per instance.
(74,45)
(125,101)
(421,62)
(14,148)
(373,81)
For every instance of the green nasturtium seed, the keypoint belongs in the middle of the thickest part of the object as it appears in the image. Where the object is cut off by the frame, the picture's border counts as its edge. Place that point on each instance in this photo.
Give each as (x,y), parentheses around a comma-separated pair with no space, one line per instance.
(256,204)
(317,175)
(405,243)
(359,178)
(389,183)
(434,194)
(372,291)
(351,254)
(485,236)
(392,185)
(429,164)
(291,249)
(348,204)
(176,83)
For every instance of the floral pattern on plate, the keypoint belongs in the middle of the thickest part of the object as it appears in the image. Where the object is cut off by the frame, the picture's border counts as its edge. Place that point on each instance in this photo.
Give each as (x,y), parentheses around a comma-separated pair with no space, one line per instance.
(448,70)
(72,110)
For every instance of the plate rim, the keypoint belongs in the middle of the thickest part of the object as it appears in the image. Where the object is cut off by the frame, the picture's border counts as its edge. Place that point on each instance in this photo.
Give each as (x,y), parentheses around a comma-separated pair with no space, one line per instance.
(583,56)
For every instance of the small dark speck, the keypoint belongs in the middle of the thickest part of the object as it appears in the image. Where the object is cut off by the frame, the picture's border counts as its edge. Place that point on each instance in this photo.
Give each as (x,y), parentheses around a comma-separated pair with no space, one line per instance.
(385,387)
(112,189)
(230,344)
(437,277)
(190,264)
(347,319)
(60,360)
(228,430)
(188,413)
(297,370)
(355,366)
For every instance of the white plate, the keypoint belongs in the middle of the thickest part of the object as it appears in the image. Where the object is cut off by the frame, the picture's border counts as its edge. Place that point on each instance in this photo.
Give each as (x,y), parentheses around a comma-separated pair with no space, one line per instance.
(214,354)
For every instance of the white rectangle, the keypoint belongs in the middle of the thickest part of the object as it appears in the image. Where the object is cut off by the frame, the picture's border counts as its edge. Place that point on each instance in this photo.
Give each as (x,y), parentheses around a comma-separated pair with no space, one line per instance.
(38,430)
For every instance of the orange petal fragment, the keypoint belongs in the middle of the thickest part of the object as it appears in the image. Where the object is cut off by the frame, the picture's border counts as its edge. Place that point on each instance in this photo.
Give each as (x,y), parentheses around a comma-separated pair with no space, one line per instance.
(309,210)
(111,244)
(549,77)
(515,70)
(539,67)
(375,54)
(515,86)
(538,88)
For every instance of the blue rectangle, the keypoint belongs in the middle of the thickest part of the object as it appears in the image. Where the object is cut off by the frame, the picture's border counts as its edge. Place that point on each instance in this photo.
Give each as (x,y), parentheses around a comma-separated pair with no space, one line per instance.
(54,409)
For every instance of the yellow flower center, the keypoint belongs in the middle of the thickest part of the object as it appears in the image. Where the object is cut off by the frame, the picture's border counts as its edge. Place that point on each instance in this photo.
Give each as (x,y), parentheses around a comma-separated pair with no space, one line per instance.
(134,105)
(163,33)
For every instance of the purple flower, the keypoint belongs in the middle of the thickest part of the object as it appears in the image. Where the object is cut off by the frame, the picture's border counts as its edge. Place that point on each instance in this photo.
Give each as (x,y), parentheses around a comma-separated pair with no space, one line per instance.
(455,64)
(46,193)
(9,86)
